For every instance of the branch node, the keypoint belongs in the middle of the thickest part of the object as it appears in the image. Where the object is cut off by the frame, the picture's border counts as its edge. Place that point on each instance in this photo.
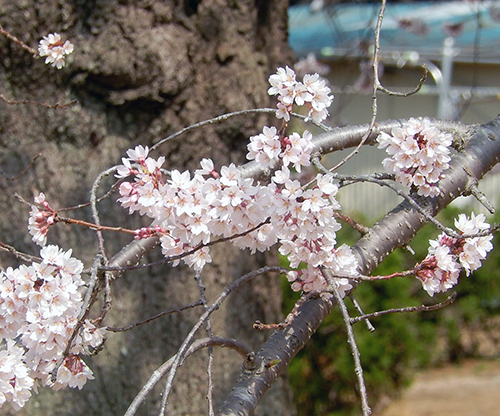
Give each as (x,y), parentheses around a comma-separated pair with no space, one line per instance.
(249,364)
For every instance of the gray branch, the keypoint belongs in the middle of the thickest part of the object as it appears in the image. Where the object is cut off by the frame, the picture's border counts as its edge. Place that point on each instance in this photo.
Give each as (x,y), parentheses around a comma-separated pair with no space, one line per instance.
(396,229)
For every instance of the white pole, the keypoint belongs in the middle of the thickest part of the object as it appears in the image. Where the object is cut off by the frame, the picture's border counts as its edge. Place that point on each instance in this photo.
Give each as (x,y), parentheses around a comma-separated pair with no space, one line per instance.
(446,107)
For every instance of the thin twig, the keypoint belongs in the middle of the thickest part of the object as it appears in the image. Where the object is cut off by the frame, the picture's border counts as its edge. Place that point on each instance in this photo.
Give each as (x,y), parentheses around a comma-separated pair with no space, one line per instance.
(95,211)
(187,253)
(237,346)
(93,226)
(23,45)
(226,116)
(106,305)
(482,199)
(423,308)
(14,177)
(210,392)
(408,197)
(88,301)
(381,180)
(213,120)
(357,306)
(419,86)
(376,84)
(112,189)
(184,347)
(360,228)
(171,311)
(23,256)
(351,340)
(290,317)
(55,106)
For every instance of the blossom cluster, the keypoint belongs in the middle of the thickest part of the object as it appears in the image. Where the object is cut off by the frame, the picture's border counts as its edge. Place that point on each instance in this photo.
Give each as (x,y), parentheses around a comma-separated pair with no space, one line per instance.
(419,155)
(39,308)
(55,49)
(448,255)
(312,92)
(42,216)
(190,212)
(268,147)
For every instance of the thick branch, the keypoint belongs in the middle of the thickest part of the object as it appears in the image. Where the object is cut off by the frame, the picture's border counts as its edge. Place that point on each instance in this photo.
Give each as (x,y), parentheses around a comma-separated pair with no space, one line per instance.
(396,229)
(345,137)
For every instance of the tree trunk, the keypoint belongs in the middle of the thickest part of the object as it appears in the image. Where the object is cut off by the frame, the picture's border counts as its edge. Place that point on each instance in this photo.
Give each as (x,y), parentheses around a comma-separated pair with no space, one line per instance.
(141,70)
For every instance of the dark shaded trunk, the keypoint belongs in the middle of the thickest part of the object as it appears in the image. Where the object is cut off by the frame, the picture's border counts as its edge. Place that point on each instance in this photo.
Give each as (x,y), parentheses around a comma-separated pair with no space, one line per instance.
(141,70)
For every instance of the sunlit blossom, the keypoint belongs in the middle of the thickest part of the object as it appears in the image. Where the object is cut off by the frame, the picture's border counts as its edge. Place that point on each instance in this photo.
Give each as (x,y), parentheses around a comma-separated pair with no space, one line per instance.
(448,255)
(55,49)
(419,155)
(40,305)
(312,92)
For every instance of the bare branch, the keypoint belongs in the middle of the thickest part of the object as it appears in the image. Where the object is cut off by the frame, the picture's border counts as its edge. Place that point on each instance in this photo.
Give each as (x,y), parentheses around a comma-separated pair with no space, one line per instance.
(210,394)
(186,253)
(214,120)
(423,308)
(290,317)
(14,39)
(88,301)
(409,93)
(184,347)
(369,325)
(14,177)
(145,321)
(55,106)
(95,212)
(237,346)
(358,369)
(23,256)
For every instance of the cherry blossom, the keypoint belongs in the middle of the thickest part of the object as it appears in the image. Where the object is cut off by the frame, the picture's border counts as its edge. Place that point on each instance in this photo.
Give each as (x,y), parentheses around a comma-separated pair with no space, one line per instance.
(312,92)
(193,210)
(448,255)
(15,383)
(42,216)
(55,49)
(39,309)
(40,303)
(419,155)
(267,148)
(189,211)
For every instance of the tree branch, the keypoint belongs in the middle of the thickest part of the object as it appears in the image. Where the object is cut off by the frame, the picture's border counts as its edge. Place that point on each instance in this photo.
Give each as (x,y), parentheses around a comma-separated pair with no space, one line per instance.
(395,230)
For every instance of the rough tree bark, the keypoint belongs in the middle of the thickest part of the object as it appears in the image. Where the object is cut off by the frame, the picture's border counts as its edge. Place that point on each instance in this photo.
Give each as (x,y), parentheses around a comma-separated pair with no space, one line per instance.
(141,70)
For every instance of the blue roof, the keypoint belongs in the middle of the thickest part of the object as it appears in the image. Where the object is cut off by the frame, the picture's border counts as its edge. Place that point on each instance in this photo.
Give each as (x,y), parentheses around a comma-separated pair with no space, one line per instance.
(339,30)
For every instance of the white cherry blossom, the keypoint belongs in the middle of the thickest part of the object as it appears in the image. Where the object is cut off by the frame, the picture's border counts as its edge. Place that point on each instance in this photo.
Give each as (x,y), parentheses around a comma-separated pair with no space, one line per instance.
(312,92)
(39,306)
(419,155)
(55,49)
(448,255)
